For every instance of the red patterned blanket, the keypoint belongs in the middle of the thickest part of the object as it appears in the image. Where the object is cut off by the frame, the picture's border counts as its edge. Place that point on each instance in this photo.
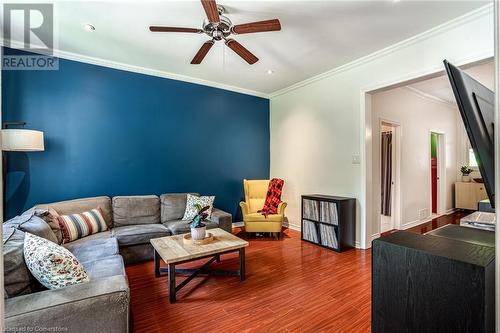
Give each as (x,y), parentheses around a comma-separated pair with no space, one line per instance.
(273,197)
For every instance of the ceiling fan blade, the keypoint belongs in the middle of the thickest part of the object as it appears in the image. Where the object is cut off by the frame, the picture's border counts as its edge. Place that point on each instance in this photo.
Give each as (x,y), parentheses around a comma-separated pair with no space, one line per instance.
(202,52)
(173,29)
(261,26)
(242,51)
(210,7)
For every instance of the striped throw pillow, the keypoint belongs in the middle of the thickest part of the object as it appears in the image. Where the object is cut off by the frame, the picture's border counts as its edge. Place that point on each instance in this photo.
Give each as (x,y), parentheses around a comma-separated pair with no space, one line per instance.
(77,226)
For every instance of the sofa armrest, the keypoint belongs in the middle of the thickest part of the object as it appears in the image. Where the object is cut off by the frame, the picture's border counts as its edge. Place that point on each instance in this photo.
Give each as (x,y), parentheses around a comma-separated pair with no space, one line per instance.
(244,208)
(281,208)
(96,306)
(223,219)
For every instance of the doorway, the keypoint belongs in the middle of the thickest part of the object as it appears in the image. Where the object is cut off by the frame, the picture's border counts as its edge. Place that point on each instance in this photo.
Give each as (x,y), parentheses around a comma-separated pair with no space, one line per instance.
(389,166)
(370,189)
(437,173)
(434,173)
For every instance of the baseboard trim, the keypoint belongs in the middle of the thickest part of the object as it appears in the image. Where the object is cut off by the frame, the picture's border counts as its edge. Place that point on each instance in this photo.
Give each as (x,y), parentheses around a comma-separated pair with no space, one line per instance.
(296,227)
(451,211)
(416,223)
(293,227)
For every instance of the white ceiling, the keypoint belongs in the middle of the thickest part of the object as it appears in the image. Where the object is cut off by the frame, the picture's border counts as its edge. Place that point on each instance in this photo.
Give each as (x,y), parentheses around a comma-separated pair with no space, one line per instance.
(316,36)
(440,87)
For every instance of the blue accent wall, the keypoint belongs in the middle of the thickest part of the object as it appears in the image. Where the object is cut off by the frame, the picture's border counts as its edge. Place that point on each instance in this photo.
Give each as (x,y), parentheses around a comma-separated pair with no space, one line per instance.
(112,132)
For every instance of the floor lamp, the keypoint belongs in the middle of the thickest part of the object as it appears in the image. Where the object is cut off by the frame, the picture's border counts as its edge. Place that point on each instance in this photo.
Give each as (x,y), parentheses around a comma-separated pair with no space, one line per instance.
(19,139)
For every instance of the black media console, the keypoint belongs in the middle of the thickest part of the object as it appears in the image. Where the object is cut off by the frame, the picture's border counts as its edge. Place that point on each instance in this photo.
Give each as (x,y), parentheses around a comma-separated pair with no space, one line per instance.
(443,281)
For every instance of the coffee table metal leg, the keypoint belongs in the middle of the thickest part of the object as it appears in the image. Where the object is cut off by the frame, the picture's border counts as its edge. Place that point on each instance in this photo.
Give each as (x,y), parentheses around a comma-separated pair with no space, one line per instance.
(204,269)
(171,283)
(157,264)
(242,264)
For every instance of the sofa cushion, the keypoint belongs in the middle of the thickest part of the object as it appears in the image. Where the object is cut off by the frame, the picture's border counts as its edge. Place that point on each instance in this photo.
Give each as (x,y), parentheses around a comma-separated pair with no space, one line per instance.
(104,267)
(173,206)
(52,265)
(131,210)
(76,226)
(183,227)
(29,222)
(50,216)
(17,278)
(93,249)
(258,217)
(82,205)
(99,235)
(139,234)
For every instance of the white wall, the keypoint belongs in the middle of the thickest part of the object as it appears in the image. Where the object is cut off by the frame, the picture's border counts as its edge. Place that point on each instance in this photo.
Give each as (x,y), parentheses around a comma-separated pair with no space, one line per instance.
(417,117)
(318,125)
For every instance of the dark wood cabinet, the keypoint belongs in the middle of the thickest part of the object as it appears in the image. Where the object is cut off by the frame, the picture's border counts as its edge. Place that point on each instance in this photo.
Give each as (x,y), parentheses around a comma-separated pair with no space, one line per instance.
(440,282)
(329,221)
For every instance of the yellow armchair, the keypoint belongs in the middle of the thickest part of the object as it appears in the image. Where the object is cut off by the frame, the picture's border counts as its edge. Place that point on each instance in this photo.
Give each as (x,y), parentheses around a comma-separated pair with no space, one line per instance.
(255,196)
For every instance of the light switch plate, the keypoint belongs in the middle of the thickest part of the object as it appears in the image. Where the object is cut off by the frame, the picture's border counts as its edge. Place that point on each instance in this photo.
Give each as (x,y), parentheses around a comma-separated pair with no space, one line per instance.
(356,159)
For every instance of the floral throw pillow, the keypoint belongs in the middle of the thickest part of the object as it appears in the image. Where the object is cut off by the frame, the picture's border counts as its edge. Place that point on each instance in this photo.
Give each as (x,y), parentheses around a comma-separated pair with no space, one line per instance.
(51,264)
(192,200)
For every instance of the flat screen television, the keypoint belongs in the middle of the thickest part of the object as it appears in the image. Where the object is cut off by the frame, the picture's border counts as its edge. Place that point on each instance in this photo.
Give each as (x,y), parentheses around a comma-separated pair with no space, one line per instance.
(477,108)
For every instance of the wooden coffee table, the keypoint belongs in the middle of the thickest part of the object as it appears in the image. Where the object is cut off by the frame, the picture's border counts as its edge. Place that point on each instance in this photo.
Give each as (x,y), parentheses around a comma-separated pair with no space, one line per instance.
(173,251)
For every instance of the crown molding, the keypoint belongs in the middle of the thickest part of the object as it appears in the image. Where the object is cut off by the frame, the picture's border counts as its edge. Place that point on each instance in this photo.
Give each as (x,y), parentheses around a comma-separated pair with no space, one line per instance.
(468,17)
(430,97)
(141,70)
(484,10)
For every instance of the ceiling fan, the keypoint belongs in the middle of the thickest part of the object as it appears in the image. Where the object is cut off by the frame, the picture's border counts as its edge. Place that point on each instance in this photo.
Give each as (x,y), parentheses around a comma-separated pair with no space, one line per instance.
(219,27)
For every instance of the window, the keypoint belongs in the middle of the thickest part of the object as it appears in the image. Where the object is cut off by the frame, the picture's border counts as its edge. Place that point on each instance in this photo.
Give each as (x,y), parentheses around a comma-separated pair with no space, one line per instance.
(472,159)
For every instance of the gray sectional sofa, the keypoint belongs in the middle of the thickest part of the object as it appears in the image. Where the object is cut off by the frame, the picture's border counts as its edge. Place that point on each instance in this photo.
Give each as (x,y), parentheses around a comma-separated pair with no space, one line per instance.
(101,305)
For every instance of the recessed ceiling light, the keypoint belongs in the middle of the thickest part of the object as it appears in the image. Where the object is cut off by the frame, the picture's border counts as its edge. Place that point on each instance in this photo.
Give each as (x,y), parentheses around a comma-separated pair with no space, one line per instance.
(270,72)
(89,27)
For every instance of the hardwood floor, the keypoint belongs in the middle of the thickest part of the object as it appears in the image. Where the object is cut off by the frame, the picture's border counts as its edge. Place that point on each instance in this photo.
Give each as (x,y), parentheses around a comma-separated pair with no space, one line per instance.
(291,286)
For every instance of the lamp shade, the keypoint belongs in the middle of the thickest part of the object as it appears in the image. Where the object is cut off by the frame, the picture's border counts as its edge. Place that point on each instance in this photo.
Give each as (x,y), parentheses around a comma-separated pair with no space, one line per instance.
(22,140)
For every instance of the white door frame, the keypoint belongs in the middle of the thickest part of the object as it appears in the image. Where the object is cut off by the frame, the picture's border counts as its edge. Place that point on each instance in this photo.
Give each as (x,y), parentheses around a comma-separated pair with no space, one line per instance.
(441,172)
(396,161)
(366,126)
